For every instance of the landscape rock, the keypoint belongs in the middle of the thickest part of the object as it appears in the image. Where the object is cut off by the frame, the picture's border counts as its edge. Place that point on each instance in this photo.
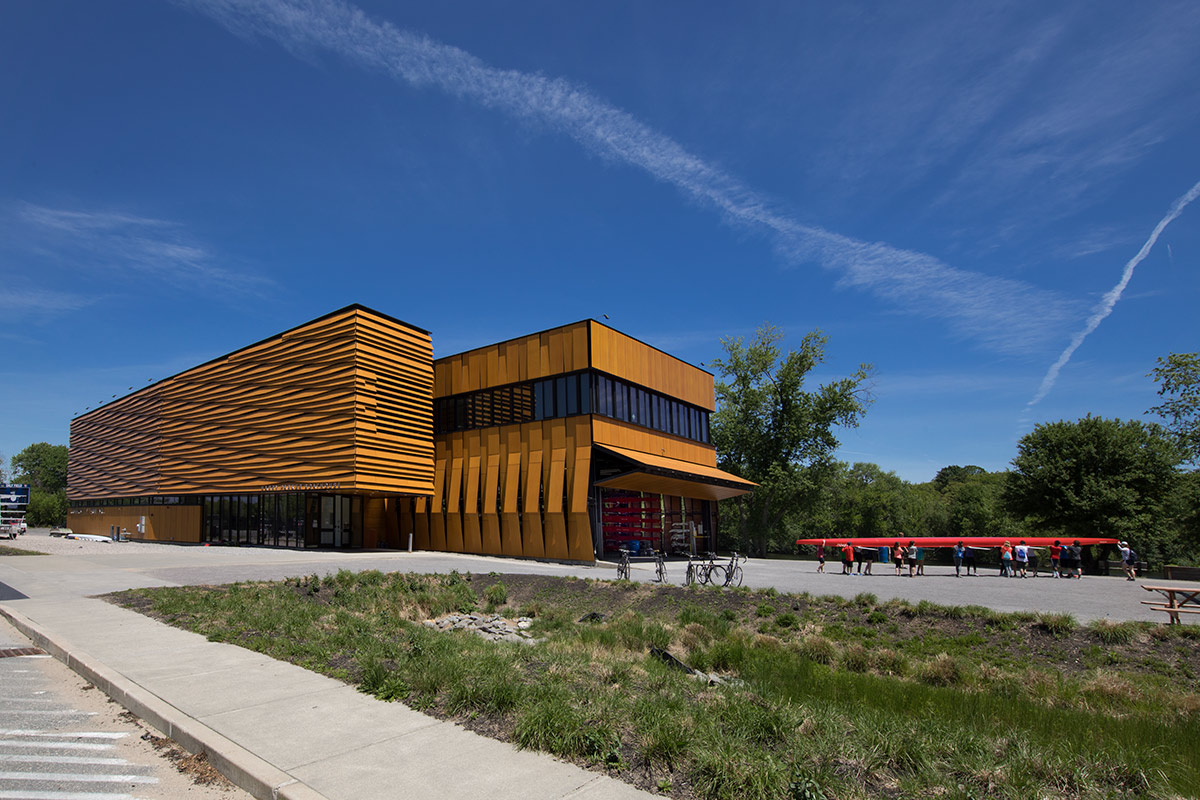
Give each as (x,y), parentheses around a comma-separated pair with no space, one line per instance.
(493,627)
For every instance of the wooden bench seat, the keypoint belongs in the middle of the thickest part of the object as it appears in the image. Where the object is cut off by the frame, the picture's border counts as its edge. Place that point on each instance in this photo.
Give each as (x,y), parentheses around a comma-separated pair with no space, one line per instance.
(1174,613)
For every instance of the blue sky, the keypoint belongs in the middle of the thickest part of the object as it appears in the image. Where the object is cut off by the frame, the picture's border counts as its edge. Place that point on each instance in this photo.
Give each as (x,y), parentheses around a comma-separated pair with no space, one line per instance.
(960,194)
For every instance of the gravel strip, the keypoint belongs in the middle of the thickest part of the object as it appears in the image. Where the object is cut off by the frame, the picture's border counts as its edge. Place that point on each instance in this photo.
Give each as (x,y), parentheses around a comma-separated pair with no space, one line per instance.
(40,540)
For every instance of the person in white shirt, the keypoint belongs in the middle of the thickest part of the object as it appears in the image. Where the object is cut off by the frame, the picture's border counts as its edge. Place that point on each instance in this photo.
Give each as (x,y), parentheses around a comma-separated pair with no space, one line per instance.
(1022,557)
(1128,561)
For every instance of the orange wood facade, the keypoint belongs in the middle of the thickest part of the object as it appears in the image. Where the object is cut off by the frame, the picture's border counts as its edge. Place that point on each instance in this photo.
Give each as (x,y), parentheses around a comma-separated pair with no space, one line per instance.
(522,490)
(344,404)
(344,401)
(163,523)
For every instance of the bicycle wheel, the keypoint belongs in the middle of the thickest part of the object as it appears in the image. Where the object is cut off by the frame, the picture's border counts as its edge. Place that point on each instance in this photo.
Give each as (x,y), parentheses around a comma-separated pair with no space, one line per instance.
(690,577)
(715,576)
(661,572)
(623,571)
(734,578)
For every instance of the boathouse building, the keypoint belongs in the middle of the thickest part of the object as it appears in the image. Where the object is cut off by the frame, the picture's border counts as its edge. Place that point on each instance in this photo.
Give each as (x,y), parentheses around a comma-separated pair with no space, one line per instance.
(345,432)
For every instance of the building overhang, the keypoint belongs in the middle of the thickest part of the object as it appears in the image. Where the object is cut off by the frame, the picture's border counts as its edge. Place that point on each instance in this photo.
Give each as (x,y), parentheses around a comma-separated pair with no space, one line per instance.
(671,476)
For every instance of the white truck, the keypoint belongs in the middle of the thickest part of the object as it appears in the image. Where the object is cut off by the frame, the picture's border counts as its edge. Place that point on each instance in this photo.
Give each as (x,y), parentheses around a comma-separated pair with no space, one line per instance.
(13,502)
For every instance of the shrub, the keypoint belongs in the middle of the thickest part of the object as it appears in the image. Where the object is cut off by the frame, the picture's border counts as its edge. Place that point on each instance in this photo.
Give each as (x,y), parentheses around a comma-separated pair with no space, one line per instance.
(1057,625)
(856,658)
(890,662)
(943,670)
(818,649)
(1110,632)
(496,595)
(787,620)
(764,610)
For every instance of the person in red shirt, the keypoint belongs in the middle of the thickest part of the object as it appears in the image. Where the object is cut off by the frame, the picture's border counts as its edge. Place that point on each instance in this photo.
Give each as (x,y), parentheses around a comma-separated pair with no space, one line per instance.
(1055,555)
(847,559)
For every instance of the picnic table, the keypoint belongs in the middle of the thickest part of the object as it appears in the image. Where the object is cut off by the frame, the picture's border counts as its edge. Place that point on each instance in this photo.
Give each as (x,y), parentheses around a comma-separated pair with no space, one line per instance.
(1175,600)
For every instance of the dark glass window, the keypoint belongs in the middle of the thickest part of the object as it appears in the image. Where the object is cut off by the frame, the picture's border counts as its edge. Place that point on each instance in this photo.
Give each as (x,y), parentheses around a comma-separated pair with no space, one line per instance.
(572,395)
(585,393)
(539,400)
(561,396)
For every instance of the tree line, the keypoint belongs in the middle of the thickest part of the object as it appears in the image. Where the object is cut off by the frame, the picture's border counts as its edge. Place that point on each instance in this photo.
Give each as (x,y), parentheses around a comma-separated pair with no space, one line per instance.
(44,467)
(1127,479)
(1093,476)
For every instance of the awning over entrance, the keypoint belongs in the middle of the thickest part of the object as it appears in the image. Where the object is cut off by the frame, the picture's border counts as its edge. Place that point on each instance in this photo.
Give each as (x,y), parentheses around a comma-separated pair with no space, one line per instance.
(670,476)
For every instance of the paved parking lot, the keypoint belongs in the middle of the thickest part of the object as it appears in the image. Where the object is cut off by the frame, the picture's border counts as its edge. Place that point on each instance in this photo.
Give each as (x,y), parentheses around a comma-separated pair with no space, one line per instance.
(76,568)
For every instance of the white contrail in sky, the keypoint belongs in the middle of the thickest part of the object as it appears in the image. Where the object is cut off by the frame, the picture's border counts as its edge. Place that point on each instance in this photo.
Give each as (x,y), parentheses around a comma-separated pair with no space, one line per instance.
(1105,307)
(1004,314)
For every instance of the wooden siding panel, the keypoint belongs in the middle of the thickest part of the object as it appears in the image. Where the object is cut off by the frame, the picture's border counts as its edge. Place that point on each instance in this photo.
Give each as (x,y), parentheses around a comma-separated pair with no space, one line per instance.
(532,539)
(512,481)
(491,481)
(579,538)
(163,523)
(472,542)
(556,523)
(301,407)
(627,358)
(633,437)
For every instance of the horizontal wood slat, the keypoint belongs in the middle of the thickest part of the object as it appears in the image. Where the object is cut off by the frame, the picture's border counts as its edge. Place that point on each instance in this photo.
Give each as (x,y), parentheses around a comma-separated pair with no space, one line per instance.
(346,400)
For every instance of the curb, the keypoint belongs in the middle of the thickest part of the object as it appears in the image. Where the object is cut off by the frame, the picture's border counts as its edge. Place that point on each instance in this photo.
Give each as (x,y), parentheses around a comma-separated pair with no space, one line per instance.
(258,777)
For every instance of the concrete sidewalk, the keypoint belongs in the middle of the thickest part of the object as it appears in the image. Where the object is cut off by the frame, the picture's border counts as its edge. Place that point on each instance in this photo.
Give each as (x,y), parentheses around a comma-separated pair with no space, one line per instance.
(280,731)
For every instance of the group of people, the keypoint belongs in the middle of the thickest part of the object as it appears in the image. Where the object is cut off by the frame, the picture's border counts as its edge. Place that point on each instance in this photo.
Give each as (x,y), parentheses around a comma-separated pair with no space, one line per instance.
(1066,560)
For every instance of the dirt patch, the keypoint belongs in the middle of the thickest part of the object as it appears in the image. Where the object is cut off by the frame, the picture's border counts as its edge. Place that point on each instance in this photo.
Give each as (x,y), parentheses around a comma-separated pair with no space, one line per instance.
(193,765)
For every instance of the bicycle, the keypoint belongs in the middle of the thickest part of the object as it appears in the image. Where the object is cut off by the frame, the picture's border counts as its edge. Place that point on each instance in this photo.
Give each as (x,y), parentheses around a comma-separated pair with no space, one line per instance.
(660,567)
(733,572)
(708,571)
(623,565)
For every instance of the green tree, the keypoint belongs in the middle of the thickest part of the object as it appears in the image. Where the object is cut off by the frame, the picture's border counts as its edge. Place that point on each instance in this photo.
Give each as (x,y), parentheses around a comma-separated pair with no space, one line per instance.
(46,509)
(873,502)
(955,474)
(1182,533)
(43,466)
(976,507)
(1095,477)
(1178,379)
(769,429)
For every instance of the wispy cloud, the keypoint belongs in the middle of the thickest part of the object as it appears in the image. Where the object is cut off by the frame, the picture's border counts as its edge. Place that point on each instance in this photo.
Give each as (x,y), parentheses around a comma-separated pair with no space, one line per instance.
(1096,104)
(115,243)
(1003,314)
(1105,307)
(39,303)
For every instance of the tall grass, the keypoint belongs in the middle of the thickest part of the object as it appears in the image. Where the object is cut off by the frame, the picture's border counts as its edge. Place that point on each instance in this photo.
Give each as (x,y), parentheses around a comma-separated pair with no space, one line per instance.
(848,712)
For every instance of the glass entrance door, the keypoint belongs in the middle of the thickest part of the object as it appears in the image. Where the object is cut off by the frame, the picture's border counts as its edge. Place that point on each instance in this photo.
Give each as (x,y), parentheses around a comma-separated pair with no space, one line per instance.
(336,521)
